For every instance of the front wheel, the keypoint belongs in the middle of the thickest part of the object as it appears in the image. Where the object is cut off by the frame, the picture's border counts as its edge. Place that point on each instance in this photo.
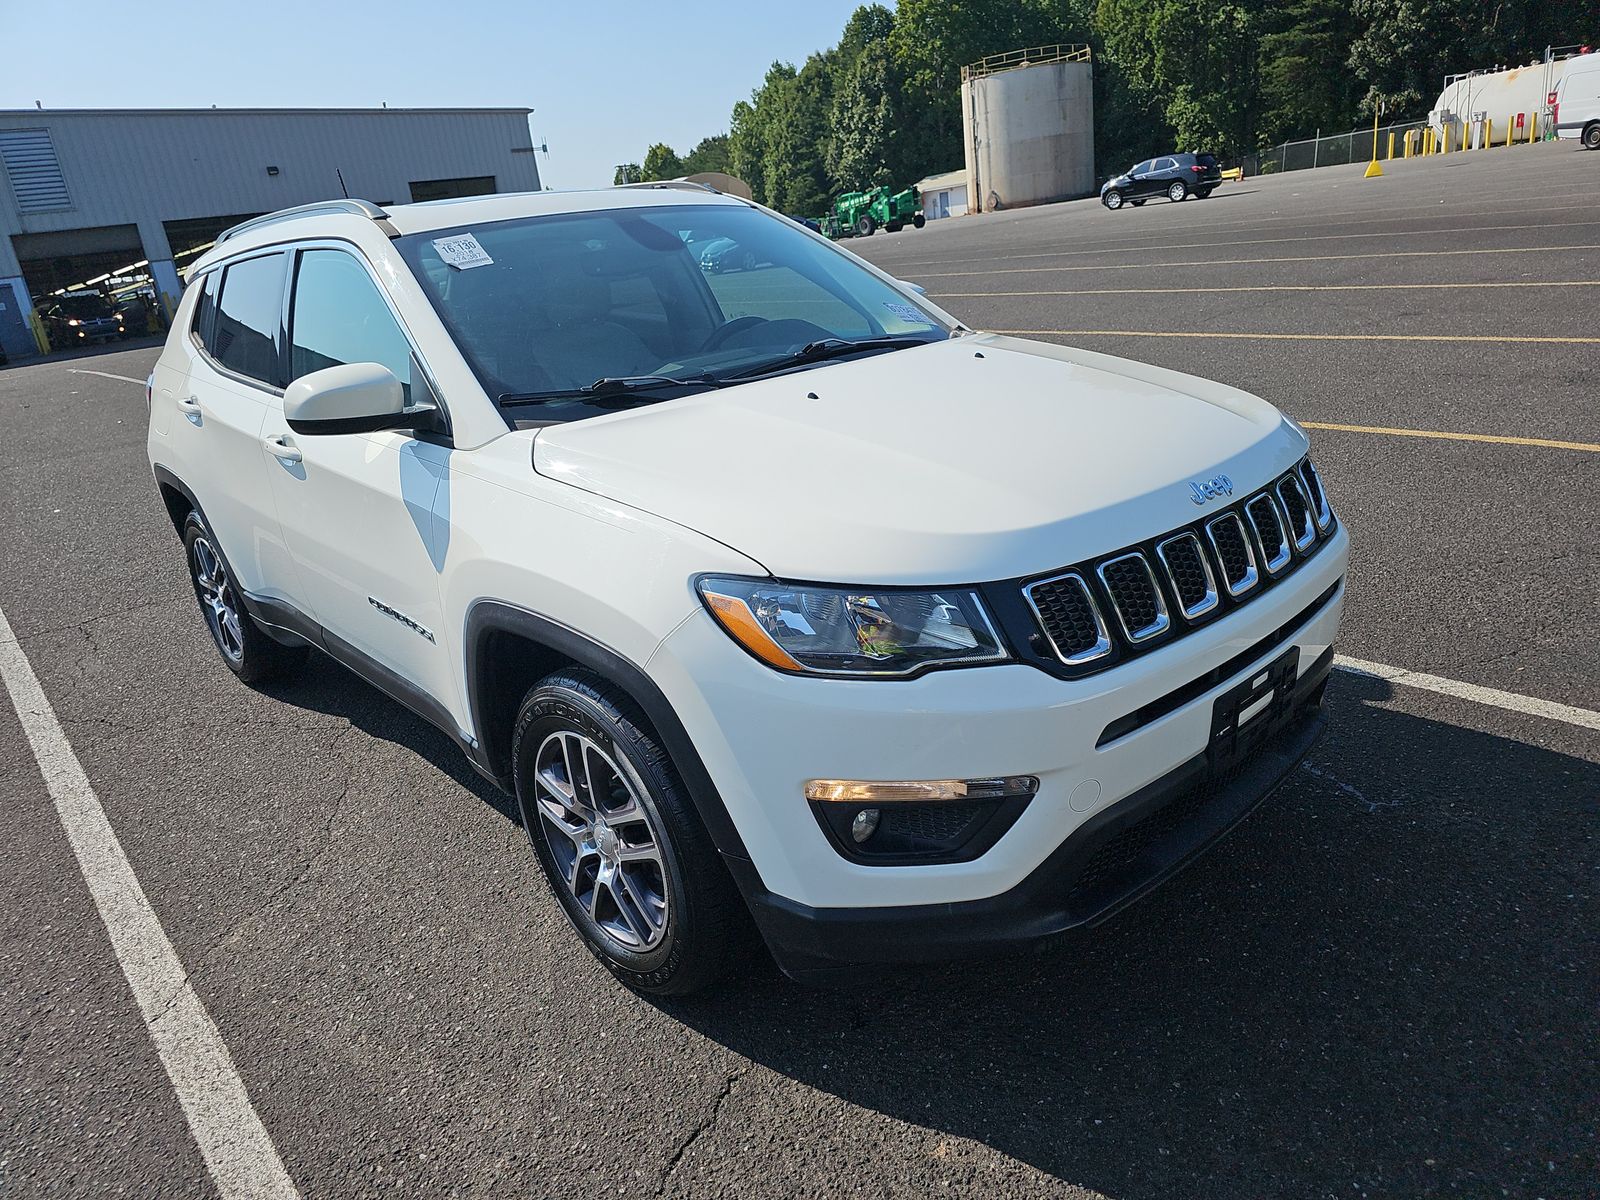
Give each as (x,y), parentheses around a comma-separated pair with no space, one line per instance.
(1177,190)
(1591,136)
(919,220)
(1112,199)
(618,839)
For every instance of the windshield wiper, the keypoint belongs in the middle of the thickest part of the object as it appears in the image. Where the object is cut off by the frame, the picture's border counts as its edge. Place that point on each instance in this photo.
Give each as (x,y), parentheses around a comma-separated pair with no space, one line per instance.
(826,348)
(608,390)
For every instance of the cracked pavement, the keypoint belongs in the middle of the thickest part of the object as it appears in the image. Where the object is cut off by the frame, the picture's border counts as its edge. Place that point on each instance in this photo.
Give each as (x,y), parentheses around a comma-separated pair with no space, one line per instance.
(1383,984)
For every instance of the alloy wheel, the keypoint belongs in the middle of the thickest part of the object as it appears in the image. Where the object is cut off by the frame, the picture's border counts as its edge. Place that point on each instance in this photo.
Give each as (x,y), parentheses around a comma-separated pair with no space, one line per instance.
(217,600)
(602,838)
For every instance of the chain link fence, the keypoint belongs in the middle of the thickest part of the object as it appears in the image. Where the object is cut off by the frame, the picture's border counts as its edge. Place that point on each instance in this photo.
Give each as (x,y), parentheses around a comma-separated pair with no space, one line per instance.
(1332,150)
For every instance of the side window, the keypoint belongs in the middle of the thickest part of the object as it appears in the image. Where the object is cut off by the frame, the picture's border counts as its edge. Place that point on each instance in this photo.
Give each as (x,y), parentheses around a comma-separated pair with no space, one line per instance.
(244,336)
(339,317)
(1142,169)
(1166,164)
(205,308)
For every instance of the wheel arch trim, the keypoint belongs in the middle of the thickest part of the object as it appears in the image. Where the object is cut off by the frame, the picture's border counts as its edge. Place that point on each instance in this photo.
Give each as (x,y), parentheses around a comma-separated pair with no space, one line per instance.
(487,617)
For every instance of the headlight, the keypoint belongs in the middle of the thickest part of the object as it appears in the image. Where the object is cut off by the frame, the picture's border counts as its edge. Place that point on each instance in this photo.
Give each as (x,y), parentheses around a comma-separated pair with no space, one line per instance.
(852,631)
(74,321)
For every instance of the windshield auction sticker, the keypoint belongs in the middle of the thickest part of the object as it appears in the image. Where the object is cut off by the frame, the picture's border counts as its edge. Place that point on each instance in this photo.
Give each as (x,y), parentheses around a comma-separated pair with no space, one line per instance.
(462,252)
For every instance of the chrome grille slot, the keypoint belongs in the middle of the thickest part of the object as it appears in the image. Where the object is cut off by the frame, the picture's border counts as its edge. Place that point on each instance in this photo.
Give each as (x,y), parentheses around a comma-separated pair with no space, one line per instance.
(1267,524)
(1193,582)
(1297,507)
(1319,498)
(1234,552)
(1135,596)
(1070,618)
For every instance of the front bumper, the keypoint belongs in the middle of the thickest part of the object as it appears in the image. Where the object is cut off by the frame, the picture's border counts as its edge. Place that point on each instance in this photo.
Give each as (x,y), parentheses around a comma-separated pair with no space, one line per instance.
(1108,862)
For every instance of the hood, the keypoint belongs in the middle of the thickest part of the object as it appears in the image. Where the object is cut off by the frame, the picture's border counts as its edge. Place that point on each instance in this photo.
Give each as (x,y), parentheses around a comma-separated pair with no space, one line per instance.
(979,458)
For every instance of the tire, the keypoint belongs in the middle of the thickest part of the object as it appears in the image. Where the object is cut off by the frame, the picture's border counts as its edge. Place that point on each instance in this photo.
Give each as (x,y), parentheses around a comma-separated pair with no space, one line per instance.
(865,225)
(1202,193)
(1113,200)
(1177,190)
(919,220)
(665,920)
(246,648)
(1591,136)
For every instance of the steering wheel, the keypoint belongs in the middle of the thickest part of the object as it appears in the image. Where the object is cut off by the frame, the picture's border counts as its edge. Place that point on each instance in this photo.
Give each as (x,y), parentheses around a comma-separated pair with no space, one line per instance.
(723,332)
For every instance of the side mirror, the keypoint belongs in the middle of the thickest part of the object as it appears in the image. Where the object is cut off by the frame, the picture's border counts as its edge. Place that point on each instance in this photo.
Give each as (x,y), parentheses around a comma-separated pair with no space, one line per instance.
(353,398)
(915,287)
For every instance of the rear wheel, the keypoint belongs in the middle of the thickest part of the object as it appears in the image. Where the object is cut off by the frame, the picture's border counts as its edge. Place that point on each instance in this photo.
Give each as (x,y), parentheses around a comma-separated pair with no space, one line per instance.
(1113,200)
(1591,136)
(919,220)
(250,652)
(865,225)
(1177,190)
(620,844)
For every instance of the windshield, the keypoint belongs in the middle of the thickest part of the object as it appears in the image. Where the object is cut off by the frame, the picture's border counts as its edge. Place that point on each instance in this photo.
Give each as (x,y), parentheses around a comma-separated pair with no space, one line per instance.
(545,306)
(85,308)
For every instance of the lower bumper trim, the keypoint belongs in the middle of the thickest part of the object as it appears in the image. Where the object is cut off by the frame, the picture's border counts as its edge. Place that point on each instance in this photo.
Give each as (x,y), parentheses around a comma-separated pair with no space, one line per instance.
(1113,859)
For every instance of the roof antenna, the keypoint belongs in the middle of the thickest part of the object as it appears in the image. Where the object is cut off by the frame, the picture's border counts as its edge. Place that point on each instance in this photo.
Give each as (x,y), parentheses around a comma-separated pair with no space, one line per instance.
(342,187)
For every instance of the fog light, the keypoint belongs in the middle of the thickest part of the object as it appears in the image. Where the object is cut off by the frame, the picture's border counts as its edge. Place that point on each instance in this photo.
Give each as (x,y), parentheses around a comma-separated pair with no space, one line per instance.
(865,825)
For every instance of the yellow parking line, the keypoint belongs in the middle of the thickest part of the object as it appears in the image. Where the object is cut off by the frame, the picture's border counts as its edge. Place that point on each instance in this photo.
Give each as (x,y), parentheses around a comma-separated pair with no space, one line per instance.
(1281,287)
(1227,262)
(1296,337)
(1498,439)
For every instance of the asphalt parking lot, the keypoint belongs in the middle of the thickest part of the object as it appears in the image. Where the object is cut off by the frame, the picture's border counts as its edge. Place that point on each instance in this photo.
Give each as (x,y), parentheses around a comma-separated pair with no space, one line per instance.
(1384,984)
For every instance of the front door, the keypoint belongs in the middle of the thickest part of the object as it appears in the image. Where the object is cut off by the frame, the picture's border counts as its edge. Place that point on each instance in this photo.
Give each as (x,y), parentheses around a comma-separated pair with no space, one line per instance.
(358,509)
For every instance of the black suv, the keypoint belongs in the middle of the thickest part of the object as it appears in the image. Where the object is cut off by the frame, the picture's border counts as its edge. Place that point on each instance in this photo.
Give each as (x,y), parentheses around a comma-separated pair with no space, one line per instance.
(1175,176)
(80,319)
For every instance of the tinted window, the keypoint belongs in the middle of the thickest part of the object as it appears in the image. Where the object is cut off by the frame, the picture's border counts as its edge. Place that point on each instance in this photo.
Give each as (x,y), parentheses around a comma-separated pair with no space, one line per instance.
(1166,164)
(339,316)
(205,305)
(1142,169)
(244,336)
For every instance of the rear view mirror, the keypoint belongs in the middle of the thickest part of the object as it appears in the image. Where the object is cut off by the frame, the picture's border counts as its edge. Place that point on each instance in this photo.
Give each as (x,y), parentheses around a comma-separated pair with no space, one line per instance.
(353,398)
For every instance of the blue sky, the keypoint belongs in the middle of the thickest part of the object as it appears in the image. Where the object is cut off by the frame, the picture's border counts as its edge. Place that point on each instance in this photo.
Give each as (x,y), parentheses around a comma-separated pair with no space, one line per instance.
(604,78)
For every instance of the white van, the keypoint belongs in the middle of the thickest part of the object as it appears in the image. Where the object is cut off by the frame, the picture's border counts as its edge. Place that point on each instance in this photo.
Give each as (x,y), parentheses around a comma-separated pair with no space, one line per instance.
(1577,105)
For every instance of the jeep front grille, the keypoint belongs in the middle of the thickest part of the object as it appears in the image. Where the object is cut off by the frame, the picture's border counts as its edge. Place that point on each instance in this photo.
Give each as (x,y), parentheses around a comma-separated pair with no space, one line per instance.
(1097,613)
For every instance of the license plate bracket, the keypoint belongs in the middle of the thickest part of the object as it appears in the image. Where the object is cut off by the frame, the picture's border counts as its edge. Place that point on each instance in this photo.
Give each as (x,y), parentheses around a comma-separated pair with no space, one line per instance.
(1250,711)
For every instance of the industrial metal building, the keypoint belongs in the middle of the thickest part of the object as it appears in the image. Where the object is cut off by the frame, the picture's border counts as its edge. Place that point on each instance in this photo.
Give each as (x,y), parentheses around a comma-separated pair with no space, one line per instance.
(119,201)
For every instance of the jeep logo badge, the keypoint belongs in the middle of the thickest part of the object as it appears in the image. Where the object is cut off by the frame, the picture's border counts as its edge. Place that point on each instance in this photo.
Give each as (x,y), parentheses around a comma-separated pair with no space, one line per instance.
(1202,491)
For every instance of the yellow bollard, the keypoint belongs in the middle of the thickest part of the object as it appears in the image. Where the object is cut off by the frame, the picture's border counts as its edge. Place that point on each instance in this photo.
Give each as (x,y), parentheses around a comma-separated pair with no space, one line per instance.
(1488,134)
(1533,129)
(1511,126)
(1391,145)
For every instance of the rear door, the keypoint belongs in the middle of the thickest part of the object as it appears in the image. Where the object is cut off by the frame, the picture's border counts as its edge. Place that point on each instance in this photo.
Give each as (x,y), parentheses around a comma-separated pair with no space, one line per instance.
(1162,175)
(235,376)
(358,509)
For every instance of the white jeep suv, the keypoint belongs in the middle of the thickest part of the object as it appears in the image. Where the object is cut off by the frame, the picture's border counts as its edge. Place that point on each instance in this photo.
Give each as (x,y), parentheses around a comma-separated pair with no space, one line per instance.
(772,592)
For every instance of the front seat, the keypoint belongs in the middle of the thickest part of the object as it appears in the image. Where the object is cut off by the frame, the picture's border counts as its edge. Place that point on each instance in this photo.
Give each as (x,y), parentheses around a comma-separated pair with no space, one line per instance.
(585,343)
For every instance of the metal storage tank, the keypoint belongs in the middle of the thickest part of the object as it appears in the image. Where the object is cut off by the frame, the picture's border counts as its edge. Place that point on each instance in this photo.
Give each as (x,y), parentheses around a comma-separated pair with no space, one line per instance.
(1028,120)
(1501,94)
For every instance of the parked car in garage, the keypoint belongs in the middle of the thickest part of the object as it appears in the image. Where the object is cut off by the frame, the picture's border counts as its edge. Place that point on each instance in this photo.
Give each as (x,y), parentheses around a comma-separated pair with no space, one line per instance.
(1176,176)
(80,319)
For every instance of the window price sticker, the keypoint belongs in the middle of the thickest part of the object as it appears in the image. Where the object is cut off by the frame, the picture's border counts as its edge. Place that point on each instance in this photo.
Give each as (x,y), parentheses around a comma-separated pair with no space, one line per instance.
(905,312)
(462,252)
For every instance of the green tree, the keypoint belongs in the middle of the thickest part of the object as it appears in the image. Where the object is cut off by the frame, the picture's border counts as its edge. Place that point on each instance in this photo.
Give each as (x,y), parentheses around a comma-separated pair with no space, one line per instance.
(710,154)
(661,162)
(1303,84)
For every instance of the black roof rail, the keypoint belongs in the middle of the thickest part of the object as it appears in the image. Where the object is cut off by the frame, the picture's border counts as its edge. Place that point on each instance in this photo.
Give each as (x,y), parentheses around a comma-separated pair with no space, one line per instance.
(359,208)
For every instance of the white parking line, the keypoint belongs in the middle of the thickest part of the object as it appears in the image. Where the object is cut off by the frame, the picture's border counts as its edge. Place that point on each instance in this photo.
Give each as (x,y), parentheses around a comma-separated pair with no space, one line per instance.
(1510,701)
(104,375)
(239,1153)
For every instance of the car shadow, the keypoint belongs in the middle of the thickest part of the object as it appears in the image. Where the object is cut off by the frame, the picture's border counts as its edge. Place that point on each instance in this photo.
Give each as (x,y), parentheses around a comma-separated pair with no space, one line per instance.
(328,687)
(1384,983)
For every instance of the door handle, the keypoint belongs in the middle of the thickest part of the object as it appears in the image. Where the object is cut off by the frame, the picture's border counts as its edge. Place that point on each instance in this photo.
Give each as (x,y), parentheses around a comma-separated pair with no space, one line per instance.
(191,405)
(281,448)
